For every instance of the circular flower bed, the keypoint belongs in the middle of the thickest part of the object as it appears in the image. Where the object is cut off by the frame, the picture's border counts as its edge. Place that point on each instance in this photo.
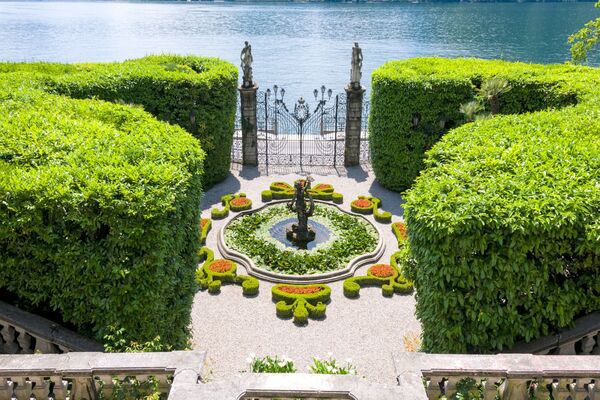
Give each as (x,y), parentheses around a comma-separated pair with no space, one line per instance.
(300,289)
(220,266)
(240,203)
(362,206)
(349,236)
(381,271)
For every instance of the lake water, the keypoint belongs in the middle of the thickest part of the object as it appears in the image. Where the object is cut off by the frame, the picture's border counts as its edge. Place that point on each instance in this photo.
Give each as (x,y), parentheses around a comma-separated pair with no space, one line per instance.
(297,46)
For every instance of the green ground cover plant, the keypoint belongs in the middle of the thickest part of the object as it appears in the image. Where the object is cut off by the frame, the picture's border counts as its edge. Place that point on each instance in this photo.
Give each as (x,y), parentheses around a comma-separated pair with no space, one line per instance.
(301,301)
(352,236)
(271,364)
(504,220)
(331,366)
(214,273)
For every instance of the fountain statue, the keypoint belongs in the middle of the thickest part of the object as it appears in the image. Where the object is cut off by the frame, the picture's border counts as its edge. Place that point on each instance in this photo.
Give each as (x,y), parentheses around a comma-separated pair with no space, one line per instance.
(301,233)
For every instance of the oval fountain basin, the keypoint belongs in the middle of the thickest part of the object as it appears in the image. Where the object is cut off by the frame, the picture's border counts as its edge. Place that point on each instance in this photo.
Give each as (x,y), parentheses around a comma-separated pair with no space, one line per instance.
(278,232)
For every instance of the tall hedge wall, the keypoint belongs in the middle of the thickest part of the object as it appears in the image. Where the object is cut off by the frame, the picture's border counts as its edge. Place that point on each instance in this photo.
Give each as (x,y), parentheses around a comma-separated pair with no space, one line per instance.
(196,93)
(99,202)
(504,221)
(415,102)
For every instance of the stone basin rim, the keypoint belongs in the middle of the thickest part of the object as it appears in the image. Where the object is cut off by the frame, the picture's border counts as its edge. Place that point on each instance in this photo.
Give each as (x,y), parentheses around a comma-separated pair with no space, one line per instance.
(276,277)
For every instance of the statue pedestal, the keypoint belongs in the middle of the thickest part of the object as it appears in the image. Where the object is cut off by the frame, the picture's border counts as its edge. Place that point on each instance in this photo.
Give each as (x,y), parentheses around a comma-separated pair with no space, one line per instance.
(294,234)
(249,125)
(354,108)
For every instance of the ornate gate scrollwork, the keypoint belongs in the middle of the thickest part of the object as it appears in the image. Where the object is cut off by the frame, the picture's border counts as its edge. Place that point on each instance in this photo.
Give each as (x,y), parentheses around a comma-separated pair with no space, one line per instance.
(301,136)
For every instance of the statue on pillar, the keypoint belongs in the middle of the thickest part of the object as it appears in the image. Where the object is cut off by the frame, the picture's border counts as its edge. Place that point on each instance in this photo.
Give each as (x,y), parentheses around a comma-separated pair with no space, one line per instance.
(355,73)
(246,58)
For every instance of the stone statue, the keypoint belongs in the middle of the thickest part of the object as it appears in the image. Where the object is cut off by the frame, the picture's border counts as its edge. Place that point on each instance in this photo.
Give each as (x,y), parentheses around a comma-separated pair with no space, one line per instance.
(301,233)
(355,73)
(246,58)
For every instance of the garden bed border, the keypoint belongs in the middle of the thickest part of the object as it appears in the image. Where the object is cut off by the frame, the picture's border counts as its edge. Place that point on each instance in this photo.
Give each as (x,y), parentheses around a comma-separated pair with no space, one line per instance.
(348,271)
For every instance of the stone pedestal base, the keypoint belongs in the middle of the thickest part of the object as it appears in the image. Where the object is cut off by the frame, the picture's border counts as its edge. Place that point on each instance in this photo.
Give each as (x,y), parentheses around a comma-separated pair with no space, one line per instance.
(249,123)
(354,105)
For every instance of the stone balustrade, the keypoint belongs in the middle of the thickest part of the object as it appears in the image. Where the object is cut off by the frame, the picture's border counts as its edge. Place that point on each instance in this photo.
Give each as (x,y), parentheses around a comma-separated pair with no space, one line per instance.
(503,376)
(582,339)
(86,376)
(25,333)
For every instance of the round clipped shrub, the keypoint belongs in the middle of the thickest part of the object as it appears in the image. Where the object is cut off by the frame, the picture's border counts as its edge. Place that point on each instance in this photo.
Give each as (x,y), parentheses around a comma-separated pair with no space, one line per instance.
(301,314)
(337,198)
(214,287)
(384,217)
(387,290)
(249,286)
(283,310)
(351,288)
(266,196)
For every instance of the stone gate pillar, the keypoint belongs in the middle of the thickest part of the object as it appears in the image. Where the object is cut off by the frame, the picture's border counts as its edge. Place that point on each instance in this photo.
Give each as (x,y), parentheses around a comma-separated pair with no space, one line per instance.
(354,107)
(249,125)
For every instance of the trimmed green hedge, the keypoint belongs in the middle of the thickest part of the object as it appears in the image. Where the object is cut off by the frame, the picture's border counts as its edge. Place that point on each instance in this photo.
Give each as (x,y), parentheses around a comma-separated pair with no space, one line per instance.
(196,93)
(212,280)
(415,102)
(99,213)
(504,224)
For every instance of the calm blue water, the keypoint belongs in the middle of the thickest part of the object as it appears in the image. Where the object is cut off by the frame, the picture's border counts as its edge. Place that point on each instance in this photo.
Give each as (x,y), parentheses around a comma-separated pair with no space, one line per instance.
(298,46)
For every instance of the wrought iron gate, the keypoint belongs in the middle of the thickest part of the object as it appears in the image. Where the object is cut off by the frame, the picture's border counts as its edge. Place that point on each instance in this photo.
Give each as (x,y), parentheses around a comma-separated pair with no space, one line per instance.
(301,136)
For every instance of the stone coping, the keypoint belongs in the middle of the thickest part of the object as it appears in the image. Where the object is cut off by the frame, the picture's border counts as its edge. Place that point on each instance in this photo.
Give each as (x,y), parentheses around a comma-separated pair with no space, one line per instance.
(290,386)
(348,271)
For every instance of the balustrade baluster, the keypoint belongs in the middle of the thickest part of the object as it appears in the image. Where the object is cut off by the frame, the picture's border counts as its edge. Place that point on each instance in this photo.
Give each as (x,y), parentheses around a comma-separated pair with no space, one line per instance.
(590,389)
(82,388)
(24,340)
(21,387)
(567,349)
(43,346)
(58,387)
(5,388)
(572,388)
(10,344)
(515,389)
(40,388)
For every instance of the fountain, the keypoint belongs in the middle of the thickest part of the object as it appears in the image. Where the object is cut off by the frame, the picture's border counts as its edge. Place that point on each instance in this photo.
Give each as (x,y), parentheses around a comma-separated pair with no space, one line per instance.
(301,233)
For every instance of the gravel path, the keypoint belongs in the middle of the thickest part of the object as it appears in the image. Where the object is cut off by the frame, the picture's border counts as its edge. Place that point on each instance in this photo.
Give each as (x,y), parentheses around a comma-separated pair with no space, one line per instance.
(367,329)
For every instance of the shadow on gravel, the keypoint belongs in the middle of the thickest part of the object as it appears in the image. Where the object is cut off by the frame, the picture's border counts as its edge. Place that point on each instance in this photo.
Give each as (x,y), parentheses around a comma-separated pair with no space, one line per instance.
(391,201)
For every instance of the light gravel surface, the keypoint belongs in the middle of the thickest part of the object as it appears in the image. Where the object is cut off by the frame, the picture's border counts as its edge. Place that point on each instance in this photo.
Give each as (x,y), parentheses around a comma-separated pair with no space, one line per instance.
(367,330)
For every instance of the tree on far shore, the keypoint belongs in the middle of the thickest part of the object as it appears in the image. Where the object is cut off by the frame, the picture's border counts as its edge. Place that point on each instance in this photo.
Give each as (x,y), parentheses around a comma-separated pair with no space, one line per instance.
(585,39)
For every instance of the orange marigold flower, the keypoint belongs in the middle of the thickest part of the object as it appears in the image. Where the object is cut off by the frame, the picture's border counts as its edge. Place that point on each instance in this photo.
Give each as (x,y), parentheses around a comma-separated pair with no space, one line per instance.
(300,290)
(240,201)
(362,203)
(402,230)
(221,265)
(382,270)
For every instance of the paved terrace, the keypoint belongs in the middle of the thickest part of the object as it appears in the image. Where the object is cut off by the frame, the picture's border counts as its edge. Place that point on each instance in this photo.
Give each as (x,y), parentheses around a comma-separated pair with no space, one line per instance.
(367,330)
